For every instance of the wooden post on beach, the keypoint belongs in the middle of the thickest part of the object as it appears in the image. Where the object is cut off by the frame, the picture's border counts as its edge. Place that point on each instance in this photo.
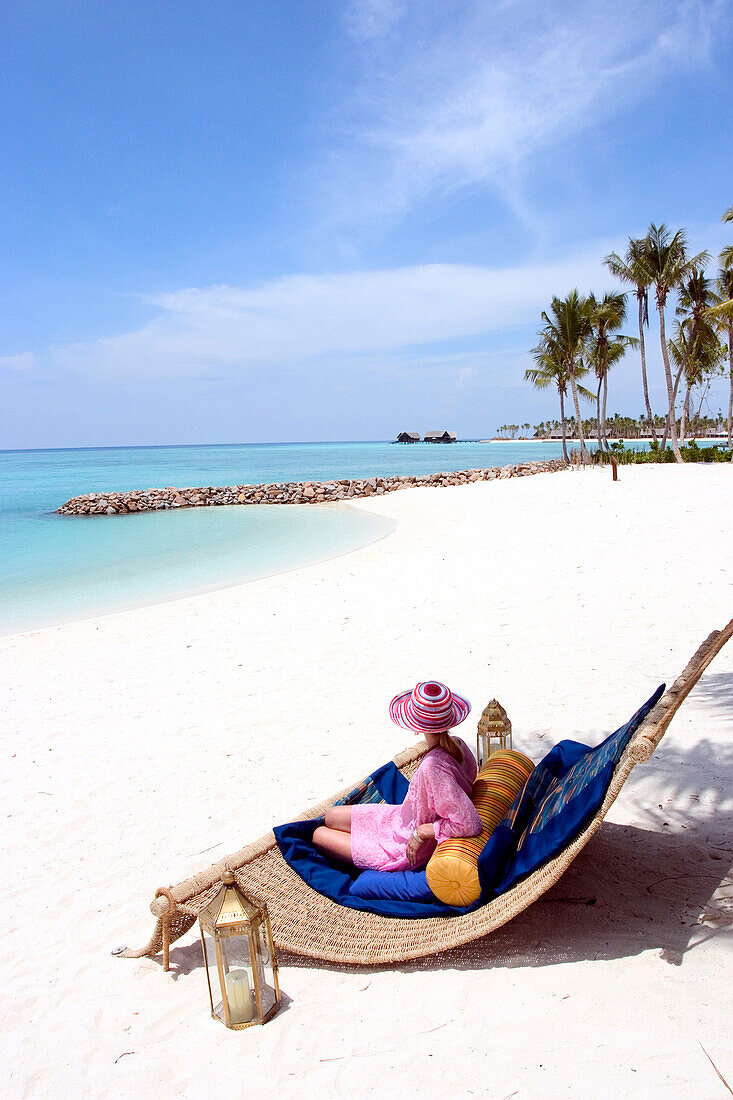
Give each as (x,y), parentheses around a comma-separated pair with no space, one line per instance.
(614,466)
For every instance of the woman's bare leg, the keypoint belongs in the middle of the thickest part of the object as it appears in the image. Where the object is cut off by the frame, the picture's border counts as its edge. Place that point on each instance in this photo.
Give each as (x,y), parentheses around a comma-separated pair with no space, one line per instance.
(335,836)
(336,842)
(339,817)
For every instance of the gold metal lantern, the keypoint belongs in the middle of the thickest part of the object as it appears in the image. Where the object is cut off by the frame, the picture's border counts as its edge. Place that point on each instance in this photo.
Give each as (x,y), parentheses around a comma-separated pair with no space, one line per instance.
(494,732)
(239,957)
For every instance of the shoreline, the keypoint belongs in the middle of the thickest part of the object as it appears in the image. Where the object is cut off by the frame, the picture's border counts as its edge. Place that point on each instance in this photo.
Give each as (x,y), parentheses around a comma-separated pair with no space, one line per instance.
(611,439)
(193,593)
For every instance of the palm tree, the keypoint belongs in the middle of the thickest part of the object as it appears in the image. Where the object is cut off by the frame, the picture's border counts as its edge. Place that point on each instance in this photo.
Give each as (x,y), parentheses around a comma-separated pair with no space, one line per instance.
(724,316)
(726,256)
(669,265)
(551,370)
(721,314)
(712,355)
(605,349)
(633,271)
(697,349)
(565,333)
(699,356)
(690,362)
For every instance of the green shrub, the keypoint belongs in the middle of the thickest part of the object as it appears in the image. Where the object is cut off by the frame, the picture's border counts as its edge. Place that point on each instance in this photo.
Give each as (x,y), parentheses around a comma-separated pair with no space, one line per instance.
(621,454)
(693,453)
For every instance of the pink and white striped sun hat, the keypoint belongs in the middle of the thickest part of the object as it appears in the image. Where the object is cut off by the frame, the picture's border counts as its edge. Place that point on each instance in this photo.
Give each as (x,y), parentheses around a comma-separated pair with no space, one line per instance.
(430,707)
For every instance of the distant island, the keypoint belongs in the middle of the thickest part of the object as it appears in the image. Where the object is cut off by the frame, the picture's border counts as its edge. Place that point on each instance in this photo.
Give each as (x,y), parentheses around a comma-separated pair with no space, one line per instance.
(616,427)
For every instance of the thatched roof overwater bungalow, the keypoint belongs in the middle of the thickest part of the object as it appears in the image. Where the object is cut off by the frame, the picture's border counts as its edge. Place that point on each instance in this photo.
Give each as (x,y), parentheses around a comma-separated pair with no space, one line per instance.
(440,437)
(408,437)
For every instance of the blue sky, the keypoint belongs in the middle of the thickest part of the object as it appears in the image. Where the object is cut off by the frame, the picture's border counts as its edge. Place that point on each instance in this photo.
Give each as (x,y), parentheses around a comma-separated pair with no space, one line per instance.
(333,219)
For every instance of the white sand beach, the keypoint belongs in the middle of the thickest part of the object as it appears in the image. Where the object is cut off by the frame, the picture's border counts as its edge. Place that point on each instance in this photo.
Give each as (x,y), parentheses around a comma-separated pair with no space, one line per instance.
(140,747)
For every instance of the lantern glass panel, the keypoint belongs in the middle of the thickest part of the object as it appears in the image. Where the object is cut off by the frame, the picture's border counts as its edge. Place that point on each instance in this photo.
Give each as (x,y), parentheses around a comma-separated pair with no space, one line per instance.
(497,741)
(266,976)
(229,971)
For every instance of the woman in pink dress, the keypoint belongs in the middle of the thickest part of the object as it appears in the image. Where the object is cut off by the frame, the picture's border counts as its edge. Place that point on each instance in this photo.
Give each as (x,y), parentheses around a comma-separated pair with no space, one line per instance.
(438,802)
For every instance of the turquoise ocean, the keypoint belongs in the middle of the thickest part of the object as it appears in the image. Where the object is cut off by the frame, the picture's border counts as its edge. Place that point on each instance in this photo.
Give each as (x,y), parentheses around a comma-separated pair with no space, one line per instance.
(56,569)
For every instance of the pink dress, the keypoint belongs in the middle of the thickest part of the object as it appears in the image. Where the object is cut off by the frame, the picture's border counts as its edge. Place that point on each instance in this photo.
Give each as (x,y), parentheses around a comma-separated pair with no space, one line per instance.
(439,792)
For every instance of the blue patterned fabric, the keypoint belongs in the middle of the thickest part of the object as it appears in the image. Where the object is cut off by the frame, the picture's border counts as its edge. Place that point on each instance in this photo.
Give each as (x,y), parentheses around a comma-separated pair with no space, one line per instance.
(367,792)
(563,806)
(386,784)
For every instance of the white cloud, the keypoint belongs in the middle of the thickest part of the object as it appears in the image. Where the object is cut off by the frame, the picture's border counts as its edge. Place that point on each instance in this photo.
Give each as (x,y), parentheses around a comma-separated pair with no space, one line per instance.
(409,319)
(295,321)
(367,19)
(467,95)
(21,362)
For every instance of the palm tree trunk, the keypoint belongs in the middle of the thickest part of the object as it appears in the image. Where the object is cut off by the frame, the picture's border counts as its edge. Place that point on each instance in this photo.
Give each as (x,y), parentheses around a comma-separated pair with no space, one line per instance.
(672,423)
(598,415)
(674,394)
(576,402)
(603,412)
(643,372)
(562,420)
(703,395)
(730,393)
(730,396)
(685,413)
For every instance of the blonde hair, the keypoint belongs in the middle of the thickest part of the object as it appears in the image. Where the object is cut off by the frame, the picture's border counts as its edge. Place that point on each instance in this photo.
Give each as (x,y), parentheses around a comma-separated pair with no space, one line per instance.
(450,745)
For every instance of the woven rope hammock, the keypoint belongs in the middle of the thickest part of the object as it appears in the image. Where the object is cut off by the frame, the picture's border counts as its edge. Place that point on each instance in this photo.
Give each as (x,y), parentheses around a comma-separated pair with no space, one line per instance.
(305,922)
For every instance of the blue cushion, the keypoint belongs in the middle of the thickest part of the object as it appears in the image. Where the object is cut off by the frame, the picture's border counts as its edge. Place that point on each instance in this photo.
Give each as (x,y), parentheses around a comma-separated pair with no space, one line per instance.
(563,806)
(392,886)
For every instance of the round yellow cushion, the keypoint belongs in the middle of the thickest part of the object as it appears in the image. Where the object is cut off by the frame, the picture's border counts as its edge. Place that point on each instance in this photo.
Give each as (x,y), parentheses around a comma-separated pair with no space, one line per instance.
(452,871)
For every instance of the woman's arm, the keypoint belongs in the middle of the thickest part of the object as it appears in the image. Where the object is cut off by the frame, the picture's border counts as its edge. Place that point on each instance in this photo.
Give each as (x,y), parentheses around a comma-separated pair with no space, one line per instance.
(418,838)
(455,813)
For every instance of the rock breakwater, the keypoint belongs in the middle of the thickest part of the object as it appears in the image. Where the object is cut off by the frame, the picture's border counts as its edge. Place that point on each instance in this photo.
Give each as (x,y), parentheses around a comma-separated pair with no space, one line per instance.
(291,492)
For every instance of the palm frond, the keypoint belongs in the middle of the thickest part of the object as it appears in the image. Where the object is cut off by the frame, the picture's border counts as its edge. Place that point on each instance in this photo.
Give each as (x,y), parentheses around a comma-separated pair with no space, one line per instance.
(694,265)
(724,284)
(617,267)
(537,378)
(722,312)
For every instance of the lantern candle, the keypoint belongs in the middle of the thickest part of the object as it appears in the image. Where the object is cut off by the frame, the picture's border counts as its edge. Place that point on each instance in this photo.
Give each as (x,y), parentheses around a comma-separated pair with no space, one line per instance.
(239,996)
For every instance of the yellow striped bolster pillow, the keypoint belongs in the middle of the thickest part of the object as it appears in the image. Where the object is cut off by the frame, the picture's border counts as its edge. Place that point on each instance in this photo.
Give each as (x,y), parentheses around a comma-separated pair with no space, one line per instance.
(452,870)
